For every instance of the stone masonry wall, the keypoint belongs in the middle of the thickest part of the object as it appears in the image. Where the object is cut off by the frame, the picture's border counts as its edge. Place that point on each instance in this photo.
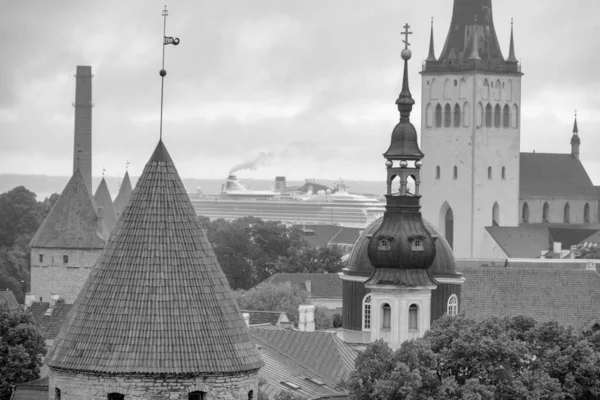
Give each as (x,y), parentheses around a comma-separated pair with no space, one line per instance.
(52,275)
(85,386)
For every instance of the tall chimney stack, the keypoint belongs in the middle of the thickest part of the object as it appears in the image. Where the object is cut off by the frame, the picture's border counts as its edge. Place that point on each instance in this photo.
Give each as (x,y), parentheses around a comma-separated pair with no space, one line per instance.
(82,154)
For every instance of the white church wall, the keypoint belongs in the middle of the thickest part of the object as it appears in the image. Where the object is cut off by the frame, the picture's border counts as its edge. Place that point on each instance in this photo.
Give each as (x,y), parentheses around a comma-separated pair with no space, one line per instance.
(556,209)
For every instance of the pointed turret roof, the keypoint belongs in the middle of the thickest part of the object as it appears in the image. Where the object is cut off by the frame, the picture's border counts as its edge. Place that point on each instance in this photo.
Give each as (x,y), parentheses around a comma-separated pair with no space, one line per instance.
(123,196)
(72,223)
(575,127)
(512,58)
(104,200)
(431,56)
(157,301)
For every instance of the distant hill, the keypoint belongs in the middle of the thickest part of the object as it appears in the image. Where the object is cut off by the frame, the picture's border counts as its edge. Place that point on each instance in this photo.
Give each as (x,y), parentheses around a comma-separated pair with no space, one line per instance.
(45,185)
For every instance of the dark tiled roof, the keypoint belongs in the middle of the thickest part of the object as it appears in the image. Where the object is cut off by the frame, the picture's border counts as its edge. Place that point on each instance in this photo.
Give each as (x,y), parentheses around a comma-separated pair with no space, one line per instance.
(568,294)
(549,175)
(570,236)
(104,200)
(295,356)
(322,285)
(7,298)
(264,317)
(123,196)
(49,325)
(72,223)
(526,241)
(157,301)
(34,390)
(443,264)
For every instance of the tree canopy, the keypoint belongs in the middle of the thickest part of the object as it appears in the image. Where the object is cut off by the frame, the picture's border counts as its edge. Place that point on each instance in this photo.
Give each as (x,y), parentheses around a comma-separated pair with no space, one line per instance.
(21,349)
(497,358)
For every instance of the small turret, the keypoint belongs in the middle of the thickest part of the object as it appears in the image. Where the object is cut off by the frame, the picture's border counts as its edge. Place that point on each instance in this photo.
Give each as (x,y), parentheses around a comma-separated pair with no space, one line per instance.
(575,140)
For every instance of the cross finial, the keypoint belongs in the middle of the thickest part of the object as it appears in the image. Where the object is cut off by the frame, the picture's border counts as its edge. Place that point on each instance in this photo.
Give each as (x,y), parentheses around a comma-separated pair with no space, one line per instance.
(165,11)
(431,21)
(127,166)
(406,33)
(575,113)
(103,171)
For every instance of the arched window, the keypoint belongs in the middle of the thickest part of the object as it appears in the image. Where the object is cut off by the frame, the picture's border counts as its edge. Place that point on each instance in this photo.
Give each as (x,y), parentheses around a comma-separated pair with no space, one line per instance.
(455,175)
(489,172)
(525,213)
(496,214)
(116,396)
(197,395)
(515,116)
(449,228)
(438,116)
(367,313)
(506,117)
(586,213)
(466,109)
(413,317)
(438,172)
(488,115)
(386,320)
(457,116)
(545,212)
(447,116)
(429,115)
(486,90)
(56,394)
(503,172)
(251,395)
(567,214)
(452,308)
(497,116)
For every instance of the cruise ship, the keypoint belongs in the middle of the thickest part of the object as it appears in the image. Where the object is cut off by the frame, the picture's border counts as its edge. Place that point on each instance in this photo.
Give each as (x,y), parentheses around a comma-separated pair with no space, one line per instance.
(311,203)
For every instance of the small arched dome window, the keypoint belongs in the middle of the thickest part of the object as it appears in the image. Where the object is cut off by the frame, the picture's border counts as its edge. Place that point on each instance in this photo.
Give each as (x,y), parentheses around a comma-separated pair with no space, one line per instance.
(452,307)
(455,172)
(545,213)
(503,172)
(367,313)
(447,116)
(586,213)
(438,116)
(497,116)
(457,116)
(116,396)
(488,116)
(197,395)
(56,394)
(489,172)
(413,317)
(438,172)
(525,213)
(386,320)
(567,214)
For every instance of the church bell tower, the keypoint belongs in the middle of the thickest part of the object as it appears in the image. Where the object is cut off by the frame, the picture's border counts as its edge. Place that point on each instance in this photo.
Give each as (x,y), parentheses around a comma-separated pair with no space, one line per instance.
(471,130)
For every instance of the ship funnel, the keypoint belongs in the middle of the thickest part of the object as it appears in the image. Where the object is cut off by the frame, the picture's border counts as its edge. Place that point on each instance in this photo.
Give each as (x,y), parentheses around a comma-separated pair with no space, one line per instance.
(280,184)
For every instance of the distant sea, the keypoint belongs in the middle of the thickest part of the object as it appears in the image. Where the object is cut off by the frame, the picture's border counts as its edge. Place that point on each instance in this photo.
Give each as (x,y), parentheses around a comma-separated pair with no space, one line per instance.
(44,185)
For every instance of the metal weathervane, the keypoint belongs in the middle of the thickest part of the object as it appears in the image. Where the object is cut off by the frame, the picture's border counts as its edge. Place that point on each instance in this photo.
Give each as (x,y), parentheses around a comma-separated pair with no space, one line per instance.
(166,40)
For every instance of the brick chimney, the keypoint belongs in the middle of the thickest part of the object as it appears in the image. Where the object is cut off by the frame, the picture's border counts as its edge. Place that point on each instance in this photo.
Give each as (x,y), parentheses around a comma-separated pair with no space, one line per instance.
(82,153)
(306,320)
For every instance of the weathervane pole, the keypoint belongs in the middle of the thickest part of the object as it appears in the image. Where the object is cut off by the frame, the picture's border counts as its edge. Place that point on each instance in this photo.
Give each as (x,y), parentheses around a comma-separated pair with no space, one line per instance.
(163,72)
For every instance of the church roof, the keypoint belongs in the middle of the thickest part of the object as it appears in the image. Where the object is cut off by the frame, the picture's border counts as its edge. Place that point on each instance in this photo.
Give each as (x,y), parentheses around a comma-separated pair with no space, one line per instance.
(547,291)
(72,223)
(550,175)
(525,241)
(123,196)
(104,200)
(156,301)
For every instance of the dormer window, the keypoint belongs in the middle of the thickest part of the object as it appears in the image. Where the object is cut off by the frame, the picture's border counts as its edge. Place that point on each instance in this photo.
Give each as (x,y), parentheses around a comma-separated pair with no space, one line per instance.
(383,244)
(416,243)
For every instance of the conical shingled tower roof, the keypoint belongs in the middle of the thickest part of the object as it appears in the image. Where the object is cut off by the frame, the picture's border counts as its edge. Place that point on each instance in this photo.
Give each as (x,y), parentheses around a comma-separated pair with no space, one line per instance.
(157,301)
(104,200)
(72,223)
(123,196)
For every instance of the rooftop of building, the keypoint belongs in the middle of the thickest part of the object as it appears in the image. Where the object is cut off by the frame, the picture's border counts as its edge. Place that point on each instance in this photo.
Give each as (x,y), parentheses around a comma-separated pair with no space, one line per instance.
(322,284)
(8,299)
(48,319)
(123,196)
(33,390)
(103,199)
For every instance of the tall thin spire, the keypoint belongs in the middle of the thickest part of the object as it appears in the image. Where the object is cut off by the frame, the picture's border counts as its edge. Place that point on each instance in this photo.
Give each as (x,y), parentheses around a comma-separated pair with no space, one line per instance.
(575,140)
(575,127)
(511,53)
(431,56)
(166,40)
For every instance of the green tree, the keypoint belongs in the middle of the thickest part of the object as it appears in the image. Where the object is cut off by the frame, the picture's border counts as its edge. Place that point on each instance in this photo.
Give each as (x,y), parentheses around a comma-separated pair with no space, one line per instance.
(287,395)
(21,349)
(313,260)
(19,215)
(269,297)
(322,318)
(497,358)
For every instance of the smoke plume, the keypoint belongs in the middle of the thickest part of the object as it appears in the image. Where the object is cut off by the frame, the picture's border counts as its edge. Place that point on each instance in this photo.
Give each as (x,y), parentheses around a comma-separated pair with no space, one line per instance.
(253,164)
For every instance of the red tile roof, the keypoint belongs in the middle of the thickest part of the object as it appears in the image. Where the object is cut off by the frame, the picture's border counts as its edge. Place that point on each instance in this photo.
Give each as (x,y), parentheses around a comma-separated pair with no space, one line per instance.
(72,223)
(157,301)
(550,175)
(567,293)
(104,200)
(8,299)
(123,196)
(322,285)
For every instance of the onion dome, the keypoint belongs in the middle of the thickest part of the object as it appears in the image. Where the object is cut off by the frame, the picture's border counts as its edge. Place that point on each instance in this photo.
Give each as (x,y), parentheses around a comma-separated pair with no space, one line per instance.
(443,264)
(156,301)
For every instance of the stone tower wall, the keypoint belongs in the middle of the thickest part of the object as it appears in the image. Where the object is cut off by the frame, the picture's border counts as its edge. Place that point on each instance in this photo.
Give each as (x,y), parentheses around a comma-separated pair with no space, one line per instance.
(85,386)
(472,146)
(52,275)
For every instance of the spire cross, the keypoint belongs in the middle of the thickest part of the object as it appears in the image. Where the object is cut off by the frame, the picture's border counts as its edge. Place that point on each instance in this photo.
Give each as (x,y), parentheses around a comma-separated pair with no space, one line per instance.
(575,113)
(103,171)
(127,166)
(406,33)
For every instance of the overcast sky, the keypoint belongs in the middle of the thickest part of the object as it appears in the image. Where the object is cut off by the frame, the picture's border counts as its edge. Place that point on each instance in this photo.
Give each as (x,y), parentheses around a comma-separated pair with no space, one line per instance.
(312,82)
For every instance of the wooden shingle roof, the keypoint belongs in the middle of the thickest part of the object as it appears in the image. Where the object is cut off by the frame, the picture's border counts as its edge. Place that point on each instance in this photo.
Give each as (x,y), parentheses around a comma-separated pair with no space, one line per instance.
(157,301)
(72,223)
(104,200)
(123,196)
